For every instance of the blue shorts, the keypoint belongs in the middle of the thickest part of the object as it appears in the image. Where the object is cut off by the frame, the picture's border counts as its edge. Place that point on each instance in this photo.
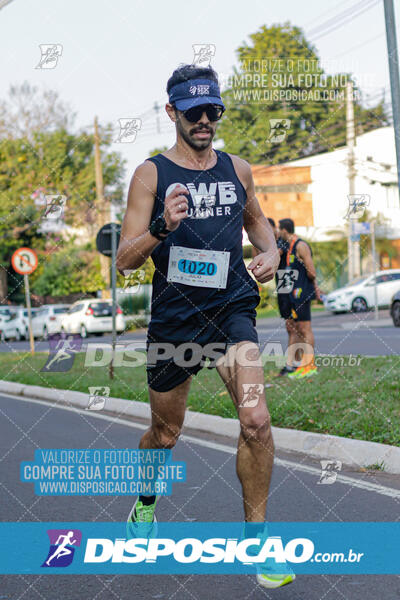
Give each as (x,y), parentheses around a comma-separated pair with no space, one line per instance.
(223,325)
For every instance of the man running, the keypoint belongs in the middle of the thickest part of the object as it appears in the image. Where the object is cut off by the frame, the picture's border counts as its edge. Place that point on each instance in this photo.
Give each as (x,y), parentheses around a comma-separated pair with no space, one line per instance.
(186,208)
(301,288)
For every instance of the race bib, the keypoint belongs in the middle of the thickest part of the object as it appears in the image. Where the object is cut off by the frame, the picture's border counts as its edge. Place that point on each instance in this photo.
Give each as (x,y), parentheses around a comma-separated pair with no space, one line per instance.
(200,268)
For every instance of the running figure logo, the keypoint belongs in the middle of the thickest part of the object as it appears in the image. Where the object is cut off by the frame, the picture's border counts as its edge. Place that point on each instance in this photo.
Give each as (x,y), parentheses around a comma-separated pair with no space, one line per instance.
(251,394)
(133,280)
(329,471)
(203,54)
(62,547)
(203,203)
(279,129)
(286,279)
(97,397)
(55,204)
(128,129)
(357,205)
(62,353)
(50,53)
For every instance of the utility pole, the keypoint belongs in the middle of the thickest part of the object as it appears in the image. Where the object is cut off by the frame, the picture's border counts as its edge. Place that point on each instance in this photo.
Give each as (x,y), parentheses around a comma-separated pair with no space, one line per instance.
(393,59)
(100,205)
(157,109)
(353,247)
(373,251)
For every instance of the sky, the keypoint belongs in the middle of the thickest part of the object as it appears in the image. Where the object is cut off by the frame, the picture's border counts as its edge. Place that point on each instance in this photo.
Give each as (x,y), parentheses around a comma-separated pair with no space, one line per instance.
(117,55)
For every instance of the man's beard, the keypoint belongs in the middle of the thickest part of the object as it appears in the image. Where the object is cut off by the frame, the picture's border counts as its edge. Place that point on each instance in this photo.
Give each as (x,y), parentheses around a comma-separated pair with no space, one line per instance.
(193,143)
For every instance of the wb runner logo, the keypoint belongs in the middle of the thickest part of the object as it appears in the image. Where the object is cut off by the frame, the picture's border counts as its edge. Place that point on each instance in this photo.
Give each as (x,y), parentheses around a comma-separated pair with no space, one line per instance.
(62,547)
(204,198)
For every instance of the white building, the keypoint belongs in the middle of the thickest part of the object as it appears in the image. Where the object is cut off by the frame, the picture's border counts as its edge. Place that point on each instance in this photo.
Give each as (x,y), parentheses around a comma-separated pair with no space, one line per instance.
(376,178)
(314,190)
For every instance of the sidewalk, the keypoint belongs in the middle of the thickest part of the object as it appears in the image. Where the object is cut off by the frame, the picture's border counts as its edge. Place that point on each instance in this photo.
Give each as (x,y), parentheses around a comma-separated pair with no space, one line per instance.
(353,452)
(327,320)
(368,323)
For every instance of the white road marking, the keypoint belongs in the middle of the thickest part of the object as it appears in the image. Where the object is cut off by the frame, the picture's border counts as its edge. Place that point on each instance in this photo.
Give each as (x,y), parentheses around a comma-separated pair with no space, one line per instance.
(358,483)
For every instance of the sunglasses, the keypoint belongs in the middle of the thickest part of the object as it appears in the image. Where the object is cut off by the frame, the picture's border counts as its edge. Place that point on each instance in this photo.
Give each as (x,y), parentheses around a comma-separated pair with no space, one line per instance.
(213,111)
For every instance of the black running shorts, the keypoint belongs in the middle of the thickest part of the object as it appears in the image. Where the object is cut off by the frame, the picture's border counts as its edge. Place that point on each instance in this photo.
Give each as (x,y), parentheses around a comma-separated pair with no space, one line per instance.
(224,325)
(299,311)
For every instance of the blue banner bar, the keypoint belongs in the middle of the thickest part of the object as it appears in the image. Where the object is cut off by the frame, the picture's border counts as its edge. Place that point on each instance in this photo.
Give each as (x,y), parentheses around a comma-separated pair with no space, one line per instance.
(199,548)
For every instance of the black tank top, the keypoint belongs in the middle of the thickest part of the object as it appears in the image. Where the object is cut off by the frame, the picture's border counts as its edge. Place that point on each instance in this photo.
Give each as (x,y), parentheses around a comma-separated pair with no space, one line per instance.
(303,288)
(215,221)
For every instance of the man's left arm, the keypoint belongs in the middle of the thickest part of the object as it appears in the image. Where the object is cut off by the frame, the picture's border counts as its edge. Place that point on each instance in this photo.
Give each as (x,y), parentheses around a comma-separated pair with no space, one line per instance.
(304,254)
(265,264)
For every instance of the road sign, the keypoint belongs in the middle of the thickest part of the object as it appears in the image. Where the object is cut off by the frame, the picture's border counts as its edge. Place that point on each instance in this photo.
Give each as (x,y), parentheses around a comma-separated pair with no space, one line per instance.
(363,228)
(24,261)
(103,238)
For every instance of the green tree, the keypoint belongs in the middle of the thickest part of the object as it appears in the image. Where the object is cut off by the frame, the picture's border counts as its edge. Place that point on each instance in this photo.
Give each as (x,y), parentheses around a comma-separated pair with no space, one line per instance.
(279,59)
(156,151)
(68,271)
(330,259)
(52,163)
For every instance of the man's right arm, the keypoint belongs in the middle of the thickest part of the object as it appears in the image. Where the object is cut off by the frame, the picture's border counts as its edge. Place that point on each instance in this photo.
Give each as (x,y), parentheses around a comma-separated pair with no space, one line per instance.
(136,242)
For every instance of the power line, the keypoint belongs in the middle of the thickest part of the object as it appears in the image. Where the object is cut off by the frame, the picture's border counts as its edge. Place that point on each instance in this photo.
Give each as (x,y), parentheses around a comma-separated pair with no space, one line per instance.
(326,13)
(341,19)
(361,45)
(352,12)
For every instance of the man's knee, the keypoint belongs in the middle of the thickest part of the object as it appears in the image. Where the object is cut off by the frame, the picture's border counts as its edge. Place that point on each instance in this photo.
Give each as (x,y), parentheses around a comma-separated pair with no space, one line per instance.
(291,326)
(304,327)
(166,435)
(256,424)
(241,354)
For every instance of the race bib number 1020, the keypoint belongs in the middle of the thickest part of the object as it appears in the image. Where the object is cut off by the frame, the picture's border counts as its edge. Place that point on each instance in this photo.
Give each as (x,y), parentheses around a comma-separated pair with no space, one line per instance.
(200,268)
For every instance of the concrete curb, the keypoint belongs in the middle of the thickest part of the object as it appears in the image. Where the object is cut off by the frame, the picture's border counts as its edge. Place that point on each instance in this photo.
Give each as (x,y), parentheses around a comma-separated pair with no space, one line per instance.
(370,323)
(356,453)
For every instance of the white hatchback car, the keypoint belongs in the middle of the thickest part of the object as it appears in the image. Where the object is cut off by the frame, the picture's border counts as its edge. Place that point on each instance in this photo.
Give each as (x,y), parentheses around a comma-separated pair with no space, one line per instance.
(358,295)
(7,326)
(92,316)
(22,321)
(47,320)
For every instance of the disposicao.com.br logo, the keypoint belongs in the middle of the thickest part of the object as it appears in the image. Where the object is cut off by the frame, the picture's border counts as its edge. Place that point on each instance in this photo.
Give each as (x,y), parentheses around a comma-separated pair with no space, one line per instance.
(191,550)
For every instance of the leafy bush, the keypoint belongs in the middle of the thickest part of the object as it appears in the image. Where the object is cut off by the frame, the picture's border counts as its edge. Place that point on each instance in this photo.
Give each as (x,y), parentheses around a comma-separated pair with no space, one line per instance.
(68,271)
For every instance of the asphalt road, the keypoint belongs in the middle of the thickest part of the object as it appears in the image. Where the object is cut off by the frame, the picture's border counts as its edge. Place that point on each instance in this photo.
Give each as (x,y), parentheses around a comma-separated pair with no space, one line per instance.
(334,334)
(211,493)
